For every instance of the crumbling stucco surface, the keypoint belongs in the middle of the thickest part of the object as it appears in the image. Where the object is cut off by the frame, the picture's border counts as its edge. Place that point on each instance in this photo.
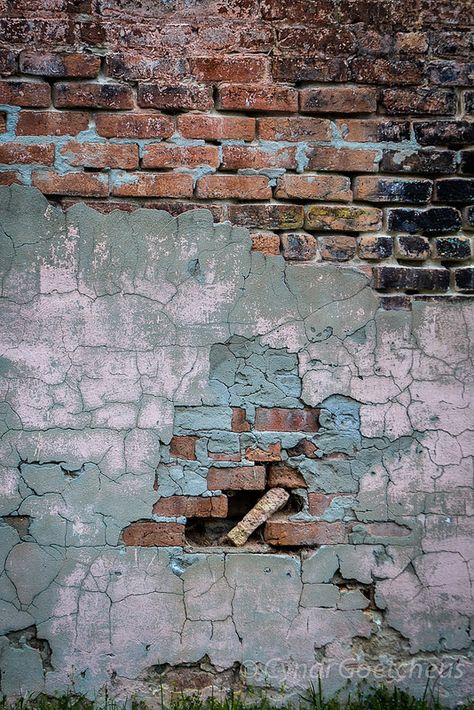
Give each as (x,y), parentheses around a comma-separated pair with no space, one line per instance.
(114,334)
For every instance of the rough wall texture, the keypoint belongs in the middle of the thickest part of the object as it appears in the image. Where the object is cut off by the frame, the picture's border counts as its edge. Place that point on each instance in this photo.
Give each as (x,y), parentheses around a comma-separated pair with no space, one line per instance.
(335,130)
(157,377)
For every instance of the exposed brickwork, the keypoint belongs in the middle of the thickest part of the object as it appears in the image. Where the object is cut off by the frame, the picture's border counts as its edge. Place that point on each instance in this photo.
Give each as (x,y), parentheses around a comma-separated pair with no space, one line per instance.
(272,104)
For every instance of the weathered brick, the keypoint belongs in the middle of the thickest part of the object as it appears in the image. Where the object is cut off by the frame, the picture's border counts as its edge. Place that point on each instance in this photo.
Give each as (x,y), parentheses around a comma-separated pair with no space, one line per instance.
(386,189)
(452,134)
(136,66)
(451,73)
(176,207)
(454,190)
(180,97)
(83,184)
(148,533)
(216,128)
(90,95)
(10,178)
(172,156)
(240,187)
(269,244)
(318,503)
(297,246)
(466,165)
(60,64)
(303,68)
(304,447)
(369,70)
(235,68)
(350,218)
(428,162)
(468,218)
(452,248)
(294,128)
(271,453)
(238,478)
(191,507)
(432,221)
(411,247)
(314,187)
(337,248)
(100,155)
(464,279)
(285,476)
(373,130)
(411,278)
(237,157)
(51,123)
(153,185)
(324,40)
(134,125)
(411,42)
(25,93)
(21,154)
(452,43)
(469,102)
(257,97)
(36,32)
(183,447)
(239,420)
(339,99)
(346,160)
(419,101)
(271,216)
(8,62)
(283,532)
(280,419)
(376,248)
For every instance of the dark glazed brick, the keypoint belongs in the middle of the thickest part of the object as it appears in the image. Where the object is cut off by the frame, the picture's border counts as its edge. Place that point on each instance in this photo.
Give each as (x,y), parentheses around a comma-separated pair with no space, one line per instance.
(464,279)
(466,166)
(435,220)
(453,248)
(451,73)
(389,189)
(410,278)
(412,248)
(469,102)
(375,248)
(419,101)
(428,162)
(454,190)
(468,218)
(299,247)
(452,134)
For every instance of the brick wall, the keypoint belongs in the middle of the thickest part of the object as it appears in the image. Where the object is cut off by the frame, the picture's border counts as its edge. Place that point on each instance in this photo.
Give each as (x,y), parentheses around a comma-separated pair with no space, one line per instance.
(335,130)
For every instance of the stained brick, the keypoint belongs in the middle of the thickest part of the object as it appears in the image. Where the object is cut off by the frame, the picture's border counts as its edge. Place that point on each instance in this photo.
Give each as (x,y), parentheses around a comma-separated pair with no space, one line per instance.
(171,156)
(180,97)
(21,154)
(257,97)
(147,533)
(279,419)
(339,99)
(411,247)
(297,246)
(271,216)
(411,278)
(153,185)
(452,134)
(375,247)
(8,62)
(83,184)
(239,420)
(191,507)
(346,160)
(386,189)
(269,244)
(90,95)
(454,190)
(464,279)
(236,157)
(100,155)
(314,187)
(419,101)
(294,128)
(25,93)
(283,532)
(337,247)
(452,248)
(235,68)
(136,66)
(427,162)
(347,219)
(451,73)
(435,220)
(304,68)
(134,125)
(238,478)
(53,123)
(240,187)
(216,128)
(60,64)
(373,130)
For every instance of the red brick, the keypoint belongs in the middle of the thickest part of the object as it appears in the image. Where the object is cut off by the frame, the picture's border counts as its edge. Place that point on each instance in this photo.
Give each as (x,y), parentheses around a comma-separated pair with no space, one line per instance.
(372,188)
(373,130)
(451,73)
(135,66)
(216,128)
(36,32)
(419,101)
(171,156)
(297,246)
(239,420)
(191,507)
(147,533)
(86,184)
(8,61)
(345,160)
(350,218)
(51,123)
(257,97)
(134,125)
(314,187)
(268,243)
(181,97)
(304,447)
(283,532)
(183,447)
(59,64)
(103,206)
(237,157)
(24,154)
(218,456)
(323,40)
(282,475)
(371,70)
(25,93)
(90,95)
(10,178)
(175,207)
(153,185)
(240,187)
(305,68)
(100,155)
(411,42)
(271,453)
(337,248)
(270,216)
(294,128)
(320,502)
(280,419)
(239,478)
(311,12)
(235,68)
(338,99)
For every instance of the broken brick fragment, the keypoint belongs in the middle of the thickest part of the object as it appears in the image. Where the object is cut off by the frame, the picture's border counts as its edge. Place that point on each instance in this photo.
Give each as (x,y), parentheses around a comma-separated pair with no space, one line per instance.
(270,503)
